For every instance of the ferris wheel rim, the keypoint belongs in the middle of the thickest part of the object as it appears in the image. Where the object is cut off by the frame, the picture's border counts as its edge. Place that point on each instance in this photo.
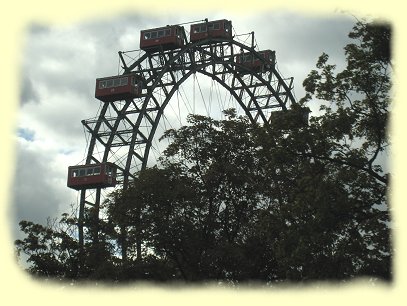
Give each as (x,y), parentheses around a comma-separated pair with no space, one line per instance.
(167,67)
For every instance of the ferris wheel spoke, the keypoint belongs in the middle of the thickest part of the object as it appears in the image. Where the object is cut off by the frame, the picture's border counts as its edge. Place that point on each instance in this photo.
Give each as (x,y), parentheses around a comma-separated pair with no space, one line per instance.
(163,82)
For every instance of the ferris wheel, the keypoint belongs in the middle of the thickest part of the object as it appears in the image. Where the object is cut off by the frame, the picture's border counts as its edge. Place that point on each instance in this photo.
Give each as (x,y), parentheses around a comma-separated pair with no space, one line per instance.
(177,71)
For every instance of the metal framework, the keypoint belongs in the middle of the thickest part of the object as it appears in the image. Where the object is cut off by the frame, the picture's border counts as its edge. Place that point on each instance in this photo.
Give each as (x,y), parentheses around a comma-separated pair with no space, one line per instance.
(123,131)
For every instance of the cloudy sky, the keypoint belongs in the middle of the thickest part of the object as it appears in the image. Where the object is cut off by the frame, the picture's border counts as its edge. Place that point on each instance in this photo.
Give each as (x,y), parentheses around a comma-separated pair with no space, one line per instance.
(60,65)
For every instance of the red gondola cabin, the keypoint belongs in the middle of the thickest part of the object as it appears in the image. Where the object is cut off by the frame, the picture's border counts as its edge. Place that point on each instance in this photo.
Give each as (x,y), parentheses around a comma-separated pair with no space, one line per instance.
(117,88)
(165,38)
(253,63)
(213,29)
(92,176)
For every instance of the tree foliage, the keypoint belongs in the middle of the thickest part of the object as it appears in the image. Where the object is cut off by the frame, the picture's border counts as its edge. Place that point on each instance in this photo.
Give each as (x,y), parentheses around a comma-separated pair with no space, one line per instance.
(234,201)
(355,117)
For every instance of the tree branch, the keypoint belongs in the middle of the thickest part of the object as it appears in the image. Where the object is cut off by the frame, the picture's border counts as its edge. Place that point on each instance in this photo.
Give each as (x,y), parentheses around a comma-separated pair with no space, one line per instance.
(369,170)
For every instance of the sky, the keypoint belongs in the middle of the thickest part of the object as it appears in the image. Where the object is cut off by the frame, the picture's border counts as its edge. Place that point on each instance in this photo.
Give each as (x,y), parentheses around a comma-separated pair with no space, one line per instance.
(57,51)
(60,65)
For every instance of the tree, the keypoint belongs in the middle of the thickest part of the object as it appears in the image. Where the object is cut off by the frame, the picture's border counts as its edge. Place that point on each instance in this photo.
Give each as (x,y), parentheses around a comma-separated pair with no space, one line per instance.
(51,249)
(350,138)
(358,100)
(208,197)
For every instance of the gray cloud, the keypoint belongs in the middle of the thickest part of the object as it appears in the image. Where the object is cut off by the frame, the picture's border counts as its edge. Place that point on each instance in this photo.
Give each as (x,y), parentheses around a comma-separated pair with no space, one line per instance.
(300,36)
(300,39)
(37,190)
(38,29)
(28,93)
